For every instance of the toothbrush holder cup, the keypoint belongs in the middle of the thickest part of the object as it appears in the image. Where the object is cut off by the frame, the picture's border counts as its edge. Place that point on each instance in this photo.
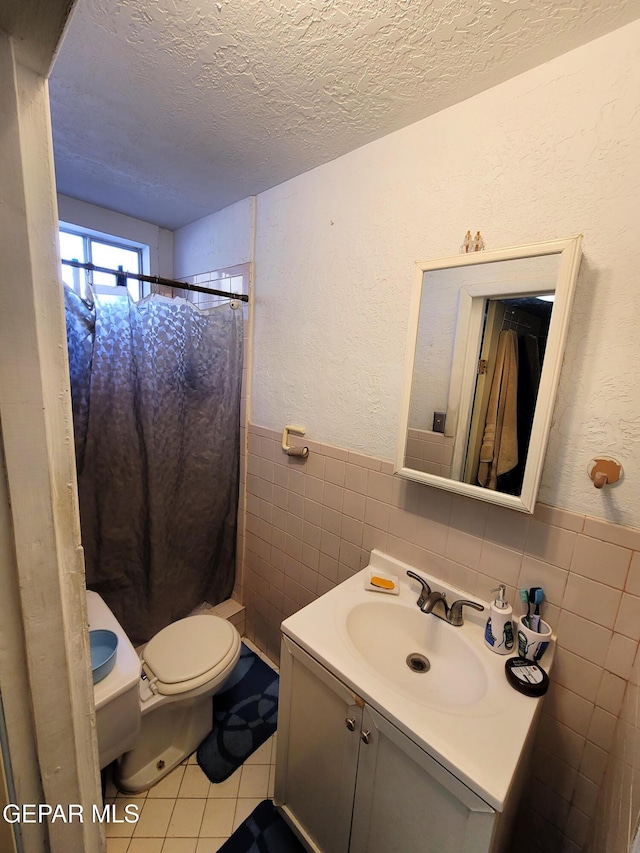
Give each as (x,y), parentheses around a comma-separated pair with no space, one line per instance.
(533,644)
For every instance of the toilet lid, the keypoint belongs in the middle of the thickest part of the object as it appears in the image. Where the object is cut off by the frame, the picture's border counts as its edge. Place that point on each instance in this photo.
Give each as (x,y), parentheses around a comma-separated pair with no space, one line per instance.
(189,648)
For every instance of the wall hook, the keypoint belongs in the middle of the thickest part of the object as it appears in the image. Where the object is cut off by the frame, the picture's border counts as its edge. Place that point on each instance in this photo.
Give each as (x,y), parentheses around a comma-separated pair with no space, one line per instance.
(293,451)
(604,471)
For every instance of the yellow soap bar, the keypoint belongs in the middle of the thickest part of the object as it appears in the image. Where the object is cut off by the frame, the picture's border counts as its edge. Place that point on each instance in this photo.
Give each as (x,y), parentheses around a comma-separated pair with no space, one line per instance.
(383,583)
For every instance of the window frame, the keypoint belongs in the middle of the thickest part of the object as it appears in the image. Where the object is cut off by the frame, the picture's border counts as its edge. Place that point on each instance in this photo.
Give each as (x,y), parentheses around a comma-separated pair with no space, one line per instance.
(82,277)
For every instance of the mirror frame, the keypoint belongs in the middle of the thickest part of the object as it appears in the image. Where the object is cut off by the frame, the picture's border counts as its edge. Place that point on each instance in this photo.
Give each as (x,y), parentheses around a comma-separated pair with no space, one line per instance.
(466,353)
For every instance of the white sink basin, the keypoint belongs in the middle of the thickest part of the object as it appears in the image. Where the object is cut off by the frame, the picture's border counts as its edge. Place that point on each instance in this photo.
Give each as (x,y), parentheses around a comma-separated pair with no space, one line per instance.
(386,632)
(462,711)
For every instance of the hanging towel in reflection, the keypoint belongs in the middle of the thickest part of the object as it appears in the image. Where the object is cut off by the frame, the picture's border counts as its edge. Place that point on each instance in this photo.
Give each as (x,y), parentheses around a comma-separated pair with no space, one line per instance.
(499,451)
(528,382)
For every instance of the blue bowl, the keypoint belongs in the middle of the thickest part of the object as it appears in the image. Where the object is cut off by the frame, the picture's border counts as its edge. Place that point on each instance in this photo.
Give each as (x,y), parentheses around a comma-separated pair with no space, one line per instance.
(104,645)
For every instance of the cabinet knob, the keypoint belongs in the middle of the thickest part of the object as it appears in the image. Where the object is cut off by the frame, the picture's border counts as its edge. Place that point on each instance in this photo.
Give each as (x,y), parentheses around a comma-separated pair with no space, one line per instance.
(350,723)
(365,737)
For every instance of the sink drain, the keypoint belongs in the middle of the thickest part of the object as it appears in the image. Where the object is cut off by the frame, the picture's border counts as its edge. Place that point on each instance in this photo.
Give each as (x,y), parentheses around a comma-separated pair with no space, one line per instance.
(418,663)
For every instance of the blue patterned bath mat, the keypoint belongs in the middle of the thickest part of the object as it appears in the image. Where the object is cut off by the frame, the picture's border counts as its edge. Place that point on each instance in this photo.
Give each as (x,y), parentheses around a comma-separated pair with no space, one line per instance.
(245,714)
(264,831)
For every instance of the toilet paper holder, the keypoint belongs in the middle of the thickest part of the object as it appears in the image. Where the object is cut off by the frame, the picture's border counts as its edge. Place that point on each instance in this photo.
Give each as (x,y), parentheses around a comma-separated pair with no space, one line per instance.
(301,452)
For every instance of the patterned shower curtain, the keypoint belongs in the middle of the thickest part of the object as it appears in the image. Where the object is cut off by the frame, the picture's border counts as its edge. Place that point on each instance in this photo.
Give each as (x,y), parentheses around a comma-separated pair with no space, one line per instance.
(156,404)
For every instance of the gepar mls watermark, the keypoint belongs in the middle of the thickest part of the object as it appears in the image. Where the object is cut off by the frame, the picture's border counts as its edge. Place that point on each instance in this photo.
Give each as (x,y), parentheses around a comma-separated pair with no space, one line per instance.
(68,813)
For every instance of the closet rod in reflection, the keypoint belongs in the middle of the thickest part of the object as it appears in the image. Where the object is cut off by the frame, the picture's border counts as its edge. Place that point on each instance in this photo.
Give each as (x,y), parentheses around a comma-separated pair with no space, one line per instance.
(121,277)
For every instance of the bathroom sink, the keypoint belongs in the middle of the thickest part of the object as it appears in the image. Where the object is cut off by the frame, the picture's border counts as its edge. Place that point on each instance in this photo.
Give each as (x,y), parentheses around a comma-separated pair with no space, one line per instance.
(461,711)
(395,639)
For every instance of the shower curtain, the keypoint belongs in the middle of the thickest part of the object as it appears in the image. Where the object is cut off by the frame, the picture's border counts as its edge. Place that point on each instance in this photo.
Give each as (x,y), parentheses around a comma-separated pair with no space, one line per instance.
(156,405)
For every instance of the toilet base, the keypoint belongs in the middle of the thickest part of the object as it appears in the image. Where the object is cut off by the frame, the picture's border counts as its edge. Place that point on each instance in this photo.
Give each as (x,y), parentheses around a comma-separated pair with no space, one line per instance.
(167,736)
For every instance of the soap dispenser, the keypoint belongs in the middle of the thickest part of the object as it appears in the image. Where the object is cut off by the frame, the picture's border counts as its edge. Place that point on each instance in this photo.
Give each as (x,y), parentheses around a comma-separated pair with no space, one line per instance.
(498,633)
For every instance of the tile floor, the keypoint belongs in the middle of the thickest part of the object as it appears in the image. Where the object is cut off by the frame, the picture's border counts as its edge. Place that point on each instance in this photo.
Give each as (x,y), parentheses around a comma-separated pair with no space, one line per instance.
(185,813)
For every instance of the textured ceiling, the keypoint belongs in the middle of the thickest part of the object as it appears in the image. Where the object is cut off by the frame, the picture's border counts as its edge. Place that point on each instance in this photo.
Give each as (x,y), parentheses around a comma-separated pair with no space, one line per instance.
(35,27)
(168,110)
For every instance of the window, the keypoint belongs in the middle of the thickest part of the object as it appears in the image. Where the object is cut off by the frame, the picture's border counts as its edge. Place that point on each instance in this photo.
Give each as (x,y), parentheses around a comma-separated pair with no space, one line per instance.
(103,252)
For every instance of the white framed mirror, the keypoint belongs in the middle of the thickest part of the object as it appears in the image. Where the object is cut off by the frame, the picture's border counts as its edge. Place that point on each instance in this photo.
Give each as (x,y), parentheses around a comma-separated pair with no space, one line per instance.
(486,339)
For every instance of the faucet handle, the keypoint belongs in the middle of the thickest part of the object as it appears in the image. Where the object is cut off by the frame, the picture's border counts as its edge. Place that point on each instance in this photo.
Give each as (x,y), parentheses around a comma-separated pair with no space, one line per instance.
(426,589)
(455,611)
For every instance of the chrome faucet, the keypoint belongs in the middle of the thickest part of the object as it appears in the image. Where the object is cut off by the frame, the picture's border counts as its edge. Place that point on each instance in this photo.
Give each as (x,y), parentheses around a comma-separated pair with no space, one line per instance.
(428,600)
(434,599)
(426,589)
(455,611)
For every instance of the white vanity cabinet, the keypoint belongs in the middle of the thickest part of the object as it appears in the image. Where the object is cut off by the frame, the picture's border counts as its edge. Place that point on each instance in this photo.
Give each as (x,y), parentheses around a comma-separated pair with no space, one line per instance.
(349,780)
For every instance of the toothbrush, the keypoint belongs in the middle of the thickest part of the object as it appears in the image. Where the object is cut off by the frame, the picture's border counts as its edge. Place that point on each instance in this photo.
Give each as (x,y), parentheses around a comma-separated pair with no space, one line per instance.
(536,596)
(524,597)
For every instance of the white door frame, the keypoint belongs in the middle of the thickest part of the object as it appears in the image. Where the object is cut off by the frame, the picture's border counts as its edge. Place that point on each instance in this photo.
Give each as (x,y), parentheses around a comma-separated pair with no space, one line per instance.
(49,705)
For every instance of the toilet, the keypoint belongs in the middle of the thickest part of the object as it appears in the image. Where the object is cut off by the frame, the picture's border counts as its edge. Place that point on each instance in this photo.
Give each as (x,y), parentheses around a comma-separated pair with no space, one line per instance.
(154,710)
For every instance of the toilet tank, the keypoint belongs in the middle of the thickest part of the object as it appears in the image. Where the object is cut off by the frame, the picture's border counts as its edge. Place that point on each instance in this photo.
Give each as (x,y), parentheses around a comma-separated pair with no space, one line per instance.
(116,697)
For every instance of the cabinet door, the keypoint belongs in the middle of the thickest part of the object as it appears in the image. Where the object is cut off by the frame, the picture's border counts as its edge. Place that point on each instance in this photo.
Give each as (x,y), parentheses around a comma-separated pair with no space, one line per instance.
(319,724)
(406,802)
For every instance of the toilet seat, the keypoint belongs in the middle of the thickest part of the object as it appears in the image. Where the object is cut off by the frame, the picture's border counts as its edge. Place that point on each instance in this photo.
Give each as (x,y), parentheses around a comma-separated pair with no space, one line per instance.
(190,653)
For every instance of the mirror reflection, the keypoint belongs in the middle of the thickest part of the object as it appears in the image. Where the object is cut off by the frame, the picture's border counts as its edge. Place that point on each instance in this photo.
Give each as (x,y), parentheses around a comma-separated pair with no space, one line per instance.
(478,404)
(514,338)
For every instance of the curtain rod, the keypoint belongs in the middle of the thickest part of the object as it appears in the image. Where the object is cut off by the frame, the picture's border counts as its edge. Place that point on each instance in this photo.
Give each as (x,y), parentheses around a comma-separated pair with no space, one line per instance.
(121,277)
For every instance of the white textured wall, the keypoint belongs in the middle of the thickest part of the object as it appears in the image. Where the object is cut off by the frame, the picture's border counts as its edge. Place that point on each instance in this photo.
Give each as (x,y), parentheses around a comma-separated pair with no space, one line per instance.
(548,154)
(223,239)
